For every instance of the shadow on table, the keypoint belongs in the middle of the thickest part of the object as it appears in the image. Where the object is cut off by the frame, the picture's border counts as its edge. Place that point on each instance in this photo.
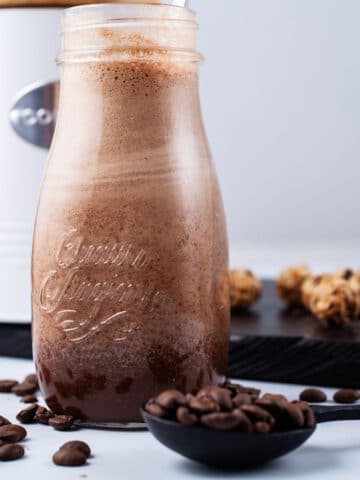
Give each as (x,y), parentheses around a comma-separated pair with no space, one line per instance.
(307,461)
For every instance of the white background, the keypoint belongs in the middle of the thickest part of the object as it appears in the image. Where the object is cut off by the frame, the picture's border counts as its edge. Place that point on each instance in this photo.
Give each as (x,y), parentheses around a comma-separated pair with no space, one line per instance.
(281,102)
(281,99)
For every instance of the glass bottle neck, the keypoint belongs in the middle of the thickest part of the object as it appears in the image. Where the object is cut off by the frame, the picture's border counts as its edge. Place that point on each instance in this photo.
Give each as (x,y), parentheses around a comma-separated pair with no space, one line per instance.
(127,32)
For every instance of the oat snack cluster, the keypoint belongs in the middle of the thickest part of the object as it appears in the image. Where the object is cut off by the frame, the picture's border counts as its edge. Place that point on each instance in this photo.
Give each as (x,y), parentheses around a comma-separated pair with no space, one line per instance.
(334,298)
(290,282)
(245,288)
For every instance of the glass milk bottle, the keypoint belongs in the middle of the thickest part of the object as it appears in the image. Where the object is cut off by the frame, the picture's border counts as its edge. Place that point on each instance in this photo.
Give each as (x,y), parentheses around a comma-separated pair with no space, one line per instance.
(130,289)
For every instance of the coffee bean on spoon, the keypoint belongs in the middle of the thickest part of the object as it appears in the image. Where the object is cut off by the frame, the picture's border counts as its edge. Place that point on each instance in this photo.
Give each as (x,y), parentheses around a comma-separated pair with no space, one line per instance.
(242,399)
(255,392)
(170,399)
(232,387)
(277,397)
(287,415)
(185,417)
(43,415)
(27,415)
(6,386)
(257,413)
(154,409)
(69,457)
(12,433)
(10,452)
(236,388)
(245,424)
(29,399)
(221,420)
(79,445)
(274,404)
(24,388)
(201,405)
(4,421)
(313,395)
(62,422)
(307,411)
(219,395)
(262,427)
(346,395)
(292,417)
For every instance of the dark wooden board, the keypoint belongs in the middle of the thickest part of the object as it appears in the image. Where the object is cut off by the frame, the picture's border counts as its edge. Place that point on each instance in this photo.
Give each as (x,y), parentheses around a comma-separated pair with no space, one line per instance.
(272,343)
(268,343)
(15,340)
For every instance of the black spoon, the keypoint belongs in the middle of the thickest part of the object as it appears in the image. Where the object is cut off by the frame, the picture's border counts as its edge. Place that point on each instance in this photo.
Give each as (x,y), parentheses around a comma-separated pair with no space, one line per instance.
(239,449)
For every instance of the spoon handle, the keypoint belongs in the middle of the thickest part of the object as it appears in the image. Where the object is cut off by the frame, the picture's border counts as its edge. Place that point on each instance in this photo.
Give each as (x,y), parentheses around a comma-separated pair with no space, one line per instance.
(327,413)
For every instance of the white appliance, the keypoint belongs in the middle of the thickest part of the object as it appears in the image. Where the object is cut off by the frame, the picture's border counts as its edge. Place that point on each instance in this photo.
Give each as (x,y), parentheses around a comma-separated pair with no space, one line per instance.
(29,42)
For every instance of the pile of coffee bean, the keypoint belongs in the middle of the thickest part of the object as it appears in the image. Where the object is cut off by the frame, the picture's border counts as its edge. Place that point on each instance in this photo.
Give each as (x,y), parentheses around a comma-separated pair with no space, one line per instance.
(25,389)
(34,413)
(72,454)
(344,395)
(37,414)
(10,436)
(232,407)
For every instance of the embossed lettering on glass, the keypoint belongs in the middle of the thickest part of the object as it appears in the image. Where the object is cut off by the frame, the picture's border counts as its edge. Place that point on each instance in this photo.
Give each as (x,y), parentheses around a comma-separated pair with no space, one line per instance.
(130,265)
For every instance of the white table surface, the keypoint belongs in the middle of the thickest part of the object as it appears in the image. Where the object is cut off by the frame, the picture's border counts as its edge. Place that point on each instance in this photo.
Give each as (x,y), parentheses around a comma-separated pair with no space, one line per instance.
(332,453)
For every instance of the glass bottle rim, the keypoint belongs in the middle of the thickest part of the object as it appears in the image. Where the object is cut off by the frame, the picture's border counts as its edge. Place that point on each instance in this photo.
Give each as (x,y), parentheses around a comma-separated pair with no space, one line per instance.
(120,18)
(102,14)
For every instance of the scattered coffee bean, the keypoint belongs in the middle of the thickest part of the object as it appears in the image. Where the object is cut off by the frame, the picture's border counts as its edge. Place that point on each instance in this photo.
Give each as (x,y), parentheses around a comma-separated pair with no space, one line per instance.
(29,399)
(7,385)
(222,396)
(32,378)
(154,409)
(171,399)
(313,395)
(43,415)
(184,416)
(201,405)
(12,451)
(12,433)
(28,414)
(24,388)
(346,395)
(221,420)
(4,421)
(79,445)
(69,457)
(62,422)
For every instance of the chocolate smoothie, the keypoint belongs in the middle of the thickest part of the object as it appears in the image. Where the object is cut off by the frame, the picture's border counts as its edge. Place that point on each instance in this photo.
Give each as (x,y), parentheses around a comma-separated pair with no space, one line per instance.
(130,269)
